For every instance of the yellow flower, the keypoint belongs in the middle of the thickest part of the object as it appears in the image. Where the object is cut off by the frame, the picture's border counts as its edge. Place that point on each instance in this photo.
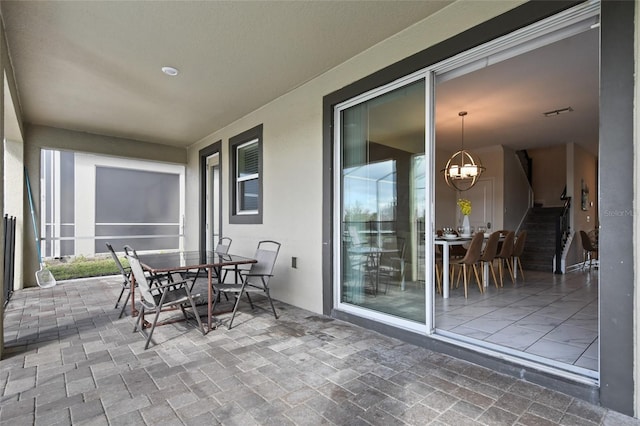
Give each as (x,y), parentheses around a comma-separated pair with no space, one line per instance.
(465,206)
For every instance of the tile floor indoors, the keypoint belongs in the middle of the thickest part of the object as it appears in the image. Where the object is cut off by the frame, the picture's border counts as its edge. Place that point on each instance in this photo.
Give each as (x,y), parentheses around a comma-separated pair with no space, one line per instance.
(68,359)
(545,315)
(552,316)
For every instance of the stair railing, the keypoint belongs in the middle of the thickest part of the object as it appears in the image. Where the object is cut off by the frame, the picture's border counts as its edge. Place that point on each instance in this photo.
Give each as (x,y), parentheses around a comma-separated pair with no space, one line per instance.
(563,229)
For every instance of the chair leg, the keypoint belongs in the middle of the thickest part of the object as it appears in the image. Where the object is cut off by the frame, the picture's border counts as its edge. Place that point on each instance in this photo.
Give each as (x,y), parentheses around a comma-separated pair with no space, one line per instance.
(493,272)
(464,272)
(519,264)
(250,301)
(453,274)
(140,316)
(235,308)
(153,327)
(510,268)
(475,272)
(271,302)
(124,305)
(195,312)
(120,297)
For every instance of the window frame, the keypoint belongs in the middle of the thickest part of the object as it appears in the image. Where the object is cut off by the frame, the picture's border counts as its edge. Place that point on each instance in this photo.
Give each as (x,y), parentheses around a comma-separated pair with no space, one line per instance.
(237,216)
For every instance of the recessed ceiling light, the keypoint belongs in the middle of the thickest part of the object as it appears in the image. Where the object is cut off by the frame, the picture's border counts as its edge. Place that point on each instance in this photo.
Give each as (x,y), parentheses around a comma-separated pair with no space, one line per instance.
(170,71)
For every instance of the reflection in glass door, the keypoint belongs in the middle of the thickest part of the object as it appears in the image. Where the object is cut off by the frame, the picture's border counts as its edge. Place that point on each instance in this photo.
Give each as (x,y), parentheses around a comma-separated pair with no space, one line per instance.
(213,201)
(382,142)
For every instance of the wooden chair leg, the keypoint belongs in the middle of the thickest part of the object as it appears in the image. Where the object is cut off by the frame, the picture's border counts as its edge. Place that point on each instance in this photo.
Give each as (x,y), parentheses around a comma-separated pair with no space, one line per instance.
(475,271)
(510,268)
(464,271)
(493,272)
(519,264)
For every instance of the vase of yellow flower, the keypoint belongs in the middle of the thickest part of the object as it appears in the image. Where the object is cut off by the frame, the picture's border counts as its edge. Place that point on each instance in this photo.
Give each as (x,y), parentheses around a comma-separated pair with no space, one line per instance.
(465,209)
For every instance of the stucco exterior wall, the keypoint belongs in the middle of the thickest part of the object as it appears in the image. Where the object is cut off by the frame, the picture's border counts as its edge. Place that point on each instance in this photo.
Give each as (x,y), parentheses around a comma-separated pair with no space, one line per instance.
(292,144)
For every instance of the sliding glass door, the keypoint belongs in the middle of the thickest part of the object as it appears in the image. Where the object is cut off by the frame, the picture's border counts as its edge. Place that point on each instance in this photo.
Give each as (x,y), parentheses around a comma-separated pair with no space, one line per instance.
(382,203)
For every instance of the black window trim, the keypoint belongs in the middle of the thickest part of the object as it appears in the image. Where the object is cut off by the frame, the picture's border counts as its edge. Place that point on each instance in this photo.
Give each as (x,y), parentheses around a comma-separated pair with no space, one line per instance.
(254,133)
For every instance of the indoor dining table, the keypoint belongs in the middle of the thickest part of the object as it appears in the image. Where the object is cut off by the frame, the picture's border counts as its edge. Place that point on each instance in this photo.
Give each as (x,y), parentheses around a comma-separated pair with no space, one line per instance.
(158,264)
(446,243)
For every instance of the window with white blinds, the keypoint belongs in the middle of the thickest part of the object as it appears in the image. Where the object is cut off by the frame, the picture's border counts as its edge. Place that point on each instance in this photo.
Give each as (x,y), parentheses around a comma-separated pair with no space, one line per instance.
(247,177)
(246,172)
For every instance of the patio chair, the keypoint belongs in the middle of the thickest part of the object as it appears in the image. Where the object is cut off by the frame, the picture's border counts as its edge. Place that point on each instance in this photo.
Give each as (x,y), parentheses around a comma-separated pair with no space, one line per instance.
(126,282)
(223,245)
(392,264)
(255,280)
(162,295)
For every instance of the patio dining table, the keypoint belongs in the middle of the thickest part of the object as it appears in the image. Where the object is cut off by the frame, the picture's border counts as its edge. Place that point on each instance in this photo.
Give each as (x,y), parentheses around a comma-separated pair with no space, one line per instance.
(182,261)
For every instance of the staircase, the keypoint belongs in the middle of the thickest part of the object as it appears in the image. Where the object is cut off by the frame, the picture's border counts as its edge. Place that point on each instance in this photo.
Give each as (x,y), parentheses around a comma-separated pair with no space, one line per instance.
(540,246)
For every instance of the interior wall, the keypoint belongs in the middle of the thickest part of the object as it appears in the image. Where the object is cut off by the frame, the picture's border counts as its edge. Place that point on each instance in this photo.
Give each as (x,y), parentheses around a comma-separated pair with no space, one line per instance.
(493,159)
(517,191)
(584,172)
(445,197)
(548,175)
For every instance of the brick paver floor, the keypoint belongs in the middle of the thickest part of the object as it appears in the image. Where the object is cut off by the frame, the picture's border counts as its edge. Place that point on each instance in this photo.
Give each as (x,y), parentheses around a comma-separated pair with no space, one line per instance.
(68,359)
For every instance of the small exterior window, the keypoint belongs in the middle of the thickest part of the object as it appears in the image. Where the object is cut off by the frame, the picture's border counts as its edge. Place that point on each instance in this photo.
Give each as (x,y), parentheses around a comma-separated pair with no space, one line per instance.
(246,177)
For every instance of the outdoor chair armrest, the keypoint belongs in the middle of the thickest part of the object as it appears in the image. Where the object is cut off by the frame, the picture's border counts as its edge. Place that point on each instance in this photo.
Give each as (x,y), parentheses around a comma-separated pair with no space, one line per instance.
(172,284)
(258,275)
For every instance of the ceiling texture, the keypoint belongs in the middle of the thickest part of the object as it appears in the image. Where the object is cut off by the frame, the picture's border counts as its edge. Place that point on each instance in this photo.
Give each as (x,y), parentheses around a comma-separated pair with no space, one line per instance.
(95,66)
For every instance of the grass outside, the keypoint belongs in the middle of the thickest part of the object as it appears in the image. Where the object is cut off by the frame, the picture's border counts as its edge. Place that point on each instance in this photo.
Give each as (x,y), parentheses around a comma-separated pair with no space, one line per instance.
(82,267)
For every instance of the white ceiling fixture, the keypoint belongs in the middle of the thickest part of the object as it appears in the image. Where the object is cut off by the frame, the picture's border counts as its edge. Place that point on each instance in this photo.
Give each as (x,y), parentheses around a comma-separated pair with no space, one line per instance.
(171,71)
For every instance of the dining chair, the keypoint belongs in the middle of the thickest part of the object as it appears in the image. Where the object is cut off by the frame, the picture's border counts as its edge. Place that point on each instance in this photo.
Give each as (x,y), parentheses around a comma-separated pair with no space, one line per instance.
(489,254)
(161,295)
(255,280)
(518,249)
(438,268)
(126,281)
(505,255)
(588,249)
(470,262)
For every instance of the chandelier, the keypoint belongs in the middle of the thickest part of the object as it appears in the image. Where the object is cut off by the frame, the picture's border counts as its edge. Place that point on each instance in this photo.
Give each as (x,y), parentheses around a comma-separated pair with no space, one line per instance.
(463,168)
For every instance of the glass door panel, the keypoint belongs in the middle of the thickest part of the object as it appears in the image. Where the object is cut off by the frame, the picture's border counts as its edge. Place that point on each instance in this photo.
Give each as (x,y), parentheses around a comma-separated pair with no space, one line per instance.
(382,204)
